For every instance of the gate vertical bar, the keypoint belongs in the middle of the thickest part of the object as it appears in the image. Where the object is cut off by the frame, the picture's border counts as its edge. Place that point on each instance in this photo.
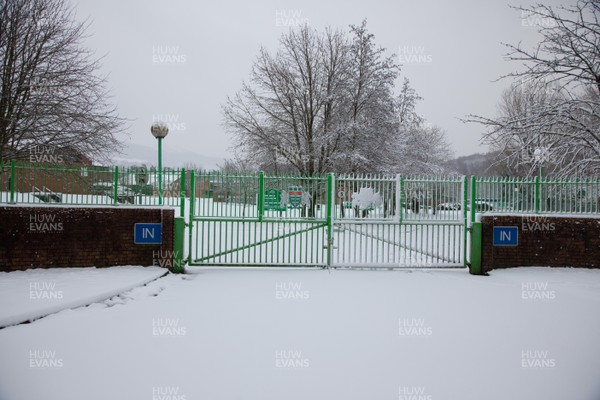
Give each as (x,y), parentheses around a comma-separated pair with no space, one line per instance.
(399,191)
(330,204)
(402,198)
(261,195)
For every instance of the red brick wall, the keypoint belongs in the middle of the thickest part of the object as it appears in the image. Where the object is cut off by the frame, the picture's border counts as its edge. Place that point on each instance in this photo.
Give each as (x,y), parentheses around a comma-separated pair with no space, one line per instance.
(543,241)
(47,237)
(57,178)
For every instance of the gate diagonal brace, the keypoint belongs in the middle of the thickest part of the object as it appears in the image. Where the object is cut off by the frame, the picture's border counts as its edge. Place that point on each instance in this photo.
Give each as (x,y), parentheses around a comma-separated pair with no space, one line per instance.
(249,246)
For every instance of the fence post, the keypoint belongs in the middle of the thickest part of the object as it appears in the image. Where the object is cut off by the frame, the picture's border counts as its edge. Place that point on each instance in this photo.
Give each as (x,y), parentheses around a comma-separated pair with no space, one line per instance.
(330,205)
(537,194)
(399,199)
(261,194)
(191,220)
(473,198)
(179,230)
(115,185)
(12,182)
(587,188)
(475,249)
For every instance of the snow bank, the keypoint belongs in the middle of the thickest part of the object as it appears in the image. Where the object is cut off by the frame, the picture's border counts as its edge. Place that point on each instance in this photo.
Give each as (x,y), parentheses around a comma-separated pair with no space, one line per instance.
(34,293)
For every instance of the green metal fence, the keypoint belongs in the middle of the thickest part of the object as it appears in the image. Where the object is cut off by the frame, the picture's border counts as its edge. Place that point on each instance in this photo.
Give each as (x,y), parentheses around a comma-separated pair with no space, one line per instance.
(332,220)
(61,184)
(535,195)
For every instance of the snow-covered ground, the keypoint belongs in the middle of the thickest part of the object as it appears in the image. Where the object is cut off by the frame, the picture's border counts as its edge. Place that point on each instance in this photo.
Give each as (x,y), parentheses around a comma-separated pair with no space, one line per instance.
(28,295)
(315,334)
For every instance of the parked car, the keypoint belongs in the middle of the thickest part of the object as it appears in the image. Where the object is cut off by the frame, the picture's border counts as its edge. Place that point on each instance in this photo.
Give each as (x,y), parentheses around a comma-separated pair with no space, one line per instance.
(484,205)
(449,206)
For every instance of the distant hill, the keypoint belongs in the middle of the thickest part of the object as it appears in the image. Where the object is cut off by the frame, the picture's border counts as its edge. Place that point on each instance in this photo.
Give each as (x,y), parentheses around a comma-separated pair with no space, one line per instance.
(137,154)
(474,164)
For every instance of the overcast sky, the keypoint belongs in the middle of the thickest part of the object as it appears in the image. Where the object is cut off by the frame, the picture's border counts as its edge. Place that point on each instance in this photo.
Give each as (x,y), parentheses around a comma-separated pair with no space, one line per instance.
(177,60)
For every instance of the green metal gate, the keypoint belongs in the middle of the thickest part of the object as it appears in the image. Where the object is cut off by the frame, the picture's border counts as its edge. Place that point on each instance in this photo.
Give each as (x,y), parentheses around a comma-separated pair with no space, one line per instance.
(253,219)
(392,221)
(259,220)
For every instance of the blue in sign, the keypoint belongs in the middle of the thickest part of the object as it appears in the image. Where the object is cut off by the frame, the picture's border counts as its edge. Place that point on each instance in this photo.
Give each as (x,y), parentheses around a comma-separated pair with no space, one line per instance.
(506,236)
(147,234)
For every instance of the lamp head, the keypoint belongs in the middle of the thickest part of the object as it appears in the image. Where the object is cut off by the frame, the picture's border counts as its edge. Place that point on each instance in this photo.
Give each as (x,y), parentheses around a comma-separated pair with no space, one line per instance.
(159,130)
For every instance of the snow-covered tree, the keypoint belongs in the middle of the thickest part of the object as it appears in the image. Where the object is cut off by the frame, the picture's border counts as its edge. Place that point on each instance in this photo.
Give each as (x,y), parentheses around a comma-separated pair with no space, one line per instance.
(366,199)
(525,110)
(426,151)
(370,120)
(325,101)
(555,108)
(292,107)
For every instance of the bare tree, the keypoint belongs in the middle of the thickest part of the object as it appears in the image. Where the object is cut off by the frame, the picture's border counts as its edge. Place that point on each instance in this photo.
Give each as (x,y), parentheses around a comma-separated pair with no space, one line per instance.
(235,165)
(288,109)
(426,151)
(526,109)
(323,102)
(50,93)
(192,166)
(371,110)
(561,111)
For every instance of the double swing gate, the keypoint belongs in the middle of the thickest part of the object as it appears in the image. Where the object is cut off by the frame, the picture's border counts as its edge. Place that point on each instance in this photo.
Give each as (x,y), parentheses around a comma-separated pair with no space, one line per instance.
(253,219)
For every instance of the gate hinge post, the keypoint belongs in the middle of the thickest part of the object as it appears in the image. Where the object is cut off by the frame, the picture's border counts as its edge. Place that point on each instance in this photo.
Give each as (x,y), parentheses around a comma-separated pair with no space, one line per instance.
(476,248)
(178,245)
(191,214)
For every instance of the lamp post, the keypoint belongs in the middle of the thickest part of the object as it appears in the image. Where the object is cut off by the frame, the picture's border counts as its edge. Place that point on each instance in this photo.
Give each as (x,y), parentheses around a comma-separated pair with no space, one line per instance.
(538,156)
(159,130)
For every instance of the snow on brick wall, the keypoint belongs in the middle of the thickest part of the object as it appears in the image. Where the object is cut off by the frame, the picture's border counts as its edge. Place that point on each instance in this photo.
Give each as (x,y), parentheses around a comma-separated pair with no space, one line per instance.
(542,241)
(47,237)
